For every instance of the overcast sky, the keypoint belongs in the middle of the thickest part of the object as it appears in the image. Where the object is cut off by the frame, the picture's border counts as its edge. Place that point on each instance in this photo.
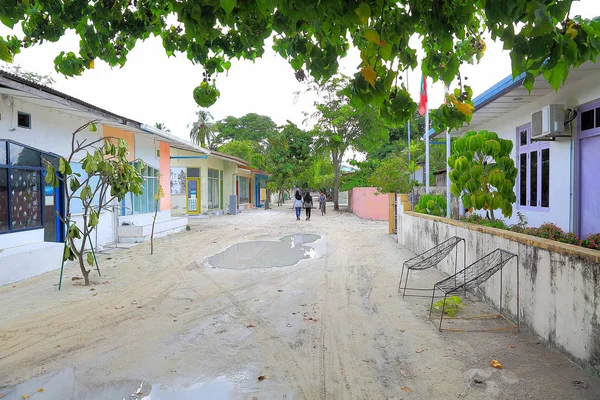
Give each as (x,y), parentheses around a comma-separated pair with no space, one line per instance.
(154,88)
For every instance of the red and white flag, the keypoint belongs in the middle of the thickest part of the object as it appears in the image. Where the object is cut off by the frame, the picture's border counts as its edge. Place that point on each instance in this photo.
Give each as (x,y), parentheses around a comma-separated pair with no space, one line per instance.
(423,102)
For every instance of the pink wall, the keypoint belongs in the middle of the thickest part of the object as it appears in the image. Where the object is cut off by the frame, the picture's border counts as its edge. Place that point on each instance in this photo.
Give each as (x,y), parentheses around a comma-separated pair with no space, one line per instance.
(366,204)
(165,175)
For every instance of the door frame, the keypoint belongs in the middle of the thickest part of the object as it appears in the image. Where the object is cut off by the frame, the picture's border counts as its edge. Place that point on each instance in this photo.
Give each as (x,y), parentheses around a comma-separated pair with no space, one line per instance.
(578,165)
(187,183)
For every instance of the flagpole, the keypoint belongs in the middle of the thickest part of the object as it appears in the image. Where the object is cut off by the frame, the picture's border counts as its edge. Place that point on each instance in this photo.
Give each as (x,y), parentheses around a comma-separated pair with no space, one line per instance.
(448,199)
(427,150)
(448,151)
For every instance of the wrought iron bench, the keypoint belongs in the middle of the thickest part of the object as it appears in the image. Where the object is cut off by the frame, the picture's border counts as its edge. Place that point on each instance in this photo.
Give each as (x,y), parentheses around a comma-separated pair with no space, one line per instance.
(472,277)
(428,259)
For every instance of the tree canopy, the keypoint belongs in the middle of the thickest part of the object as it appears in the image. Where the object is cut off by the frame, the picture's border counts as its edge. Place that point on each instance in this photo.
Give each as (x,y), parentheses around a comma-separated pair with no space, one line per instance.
(251,127)
(541,35)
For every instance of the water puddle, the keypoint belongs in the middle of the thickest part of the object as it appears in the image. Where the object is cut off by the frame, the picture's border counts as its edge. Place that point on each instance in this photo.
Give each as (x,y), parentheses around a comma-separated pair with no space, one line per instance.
(288,251)
(64,386)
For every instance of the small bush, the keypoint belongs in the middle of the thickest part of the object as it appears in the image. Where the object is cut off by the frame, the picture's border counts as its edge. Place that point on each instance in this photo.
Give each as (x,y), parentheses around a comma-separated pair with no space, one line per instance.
(591,241)
(547,230)
(451,306)
(432,204)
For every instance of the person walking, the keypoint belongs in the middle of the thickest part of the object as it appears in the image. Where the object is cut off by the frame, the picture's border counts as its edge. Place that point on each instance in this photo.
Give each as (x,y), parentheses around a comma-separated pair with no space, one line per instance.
(308,204)
(298,204)
(322,200)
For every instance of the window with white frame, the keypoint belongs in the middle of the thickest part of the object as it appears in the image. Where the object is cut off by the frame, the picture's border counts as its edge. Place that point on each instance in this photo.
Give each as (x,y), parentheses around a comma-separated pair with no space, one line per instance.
(143,203)
(214,189)
(534,171)
(244,189)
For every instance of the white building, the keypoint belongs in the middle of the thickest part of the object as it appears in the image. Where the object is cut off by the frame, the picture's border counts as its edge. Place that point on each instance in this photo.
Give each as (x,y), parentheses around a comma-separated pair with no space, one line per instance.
(558,178)
(36,120)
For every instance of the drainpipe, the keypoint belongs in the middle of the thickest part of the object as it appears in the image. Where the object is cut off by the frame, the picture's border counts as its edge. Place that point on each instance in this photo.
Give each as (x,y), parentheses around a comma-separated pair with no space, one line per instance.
(571,227)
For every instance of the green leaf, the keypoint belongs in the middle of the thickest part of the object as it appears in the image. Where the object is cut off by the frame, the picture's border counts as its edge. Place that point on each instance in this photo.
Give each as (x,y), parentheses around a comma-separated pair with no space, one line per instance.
(228,5)
(364,12)
(90,258)
(50,175)
(372,36)
(93,219)
(93,127)
(227,65)
(74,184)
(5,54)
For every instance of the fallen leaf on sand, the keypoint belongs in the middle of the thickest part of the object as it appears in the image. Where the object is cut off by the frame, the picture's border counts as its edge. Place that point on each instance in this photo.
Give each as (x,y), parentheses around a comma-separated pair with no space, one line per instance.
(280,290)
(76,278)
(94,294)
(311,319)
(511,346)
(92,289)
(262,377)
(420,351)
(402,330)
(40,390)
(406,389)
(118,308)
(25,396)
(14,285)
(496,364)
(251,326)
(58,345)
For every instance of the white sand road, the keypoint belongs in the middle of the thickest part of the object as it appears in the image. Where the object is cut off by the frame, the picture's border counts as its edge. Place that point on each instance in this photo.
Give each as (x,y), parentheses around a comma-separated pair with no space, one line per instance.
(330,327)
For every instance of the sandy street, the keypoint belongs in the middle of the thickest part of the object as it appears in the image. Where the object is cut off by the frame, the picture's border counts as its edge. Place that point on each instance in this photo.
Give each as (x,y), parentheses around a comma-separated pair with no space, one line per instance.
(329,327)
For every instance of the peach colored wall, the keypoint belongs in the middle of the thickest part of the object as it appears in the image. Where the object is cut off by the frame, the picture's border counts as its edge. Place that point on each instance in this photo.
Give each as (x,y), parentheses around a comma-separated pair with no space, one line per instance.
(165,175)
(364,203)
(111,131)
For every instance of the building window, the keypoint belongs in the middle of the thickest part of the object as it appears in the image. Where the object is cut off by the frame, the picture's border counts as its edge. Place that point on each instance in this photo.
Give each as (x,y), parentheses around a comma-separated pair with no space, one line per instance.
(243,189)
(143,203)
(590,119)
(21,205)
(24,120)
(214,189)
(534,171)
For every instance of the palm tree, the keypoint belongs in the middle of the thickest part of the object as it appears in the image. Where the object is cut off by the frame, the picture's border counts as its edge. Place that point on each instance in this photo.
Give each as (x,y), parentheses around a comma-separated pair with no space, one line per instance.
(202,131)
(162,126)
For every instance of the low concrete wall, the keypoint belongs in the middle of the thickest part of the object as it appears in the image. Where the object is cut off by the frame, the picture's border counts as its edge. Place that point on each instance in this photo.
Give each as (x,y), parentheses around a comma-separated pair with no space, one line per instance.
(25,254)
(367,204)
(559,283)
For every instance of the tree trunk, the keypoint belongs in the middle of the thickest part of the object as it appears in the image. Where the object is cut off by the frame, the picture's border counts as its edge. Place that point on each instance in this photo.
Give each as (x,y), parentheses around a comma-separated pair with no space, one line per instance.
(84,272)
(268,200)
(337,160)
(152,233)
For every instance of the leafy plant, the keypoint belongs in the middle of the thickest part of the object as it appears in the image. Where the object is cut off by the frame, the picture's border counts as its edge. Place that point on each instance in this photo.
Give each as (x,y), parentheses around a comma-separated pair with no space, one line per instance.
(392,176)
(340,126)
(591,241)
(483,173)
(105,163)
(188,228)
(312,36)
(432,204)
(450,305)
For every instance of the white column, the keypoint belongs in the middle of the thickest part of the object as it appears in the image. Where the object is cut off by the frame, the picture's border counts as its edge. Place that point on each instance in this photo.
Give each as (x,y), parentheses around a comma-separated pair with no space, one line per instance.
(427,151)
(448,196)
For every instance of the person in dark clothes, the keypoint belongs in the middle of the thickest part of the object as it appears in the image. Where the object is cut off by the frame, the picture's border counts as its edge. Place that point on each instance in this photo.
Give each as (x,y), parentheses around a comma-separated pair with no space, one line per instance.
(298,204)
(308,204)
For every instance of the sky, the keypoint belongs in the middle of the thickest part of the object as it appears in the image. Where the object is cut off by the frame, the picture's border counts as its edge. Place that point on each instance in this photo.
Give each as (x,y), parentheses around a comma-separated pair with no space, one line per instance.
(152,87)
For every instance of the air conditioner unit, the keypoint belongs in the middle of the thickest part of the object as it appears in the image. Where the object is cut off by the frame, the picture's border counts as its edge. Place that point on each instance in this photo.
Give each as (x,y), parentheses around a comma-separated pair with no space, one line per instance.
(548,122)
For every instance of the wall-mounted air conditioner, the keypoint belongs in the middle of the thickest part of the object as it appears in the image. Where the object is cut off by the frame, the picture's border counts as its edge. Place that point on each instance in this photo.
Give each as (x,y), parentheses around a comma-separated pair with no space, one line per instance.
(548,122)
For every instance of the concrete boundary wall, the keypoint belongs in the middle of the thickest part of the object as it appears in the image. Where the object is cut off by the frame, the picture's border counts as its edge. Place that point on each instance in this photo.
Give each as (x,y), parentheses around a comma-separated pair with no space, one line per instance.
(559,283)
(366,203)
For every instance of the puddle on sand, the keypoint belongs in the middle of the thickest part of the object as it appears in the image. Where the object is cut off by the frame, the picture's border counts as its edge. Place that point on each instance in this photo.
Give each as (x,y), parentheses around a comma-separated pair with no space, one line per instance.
(64,386)
(288,251)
